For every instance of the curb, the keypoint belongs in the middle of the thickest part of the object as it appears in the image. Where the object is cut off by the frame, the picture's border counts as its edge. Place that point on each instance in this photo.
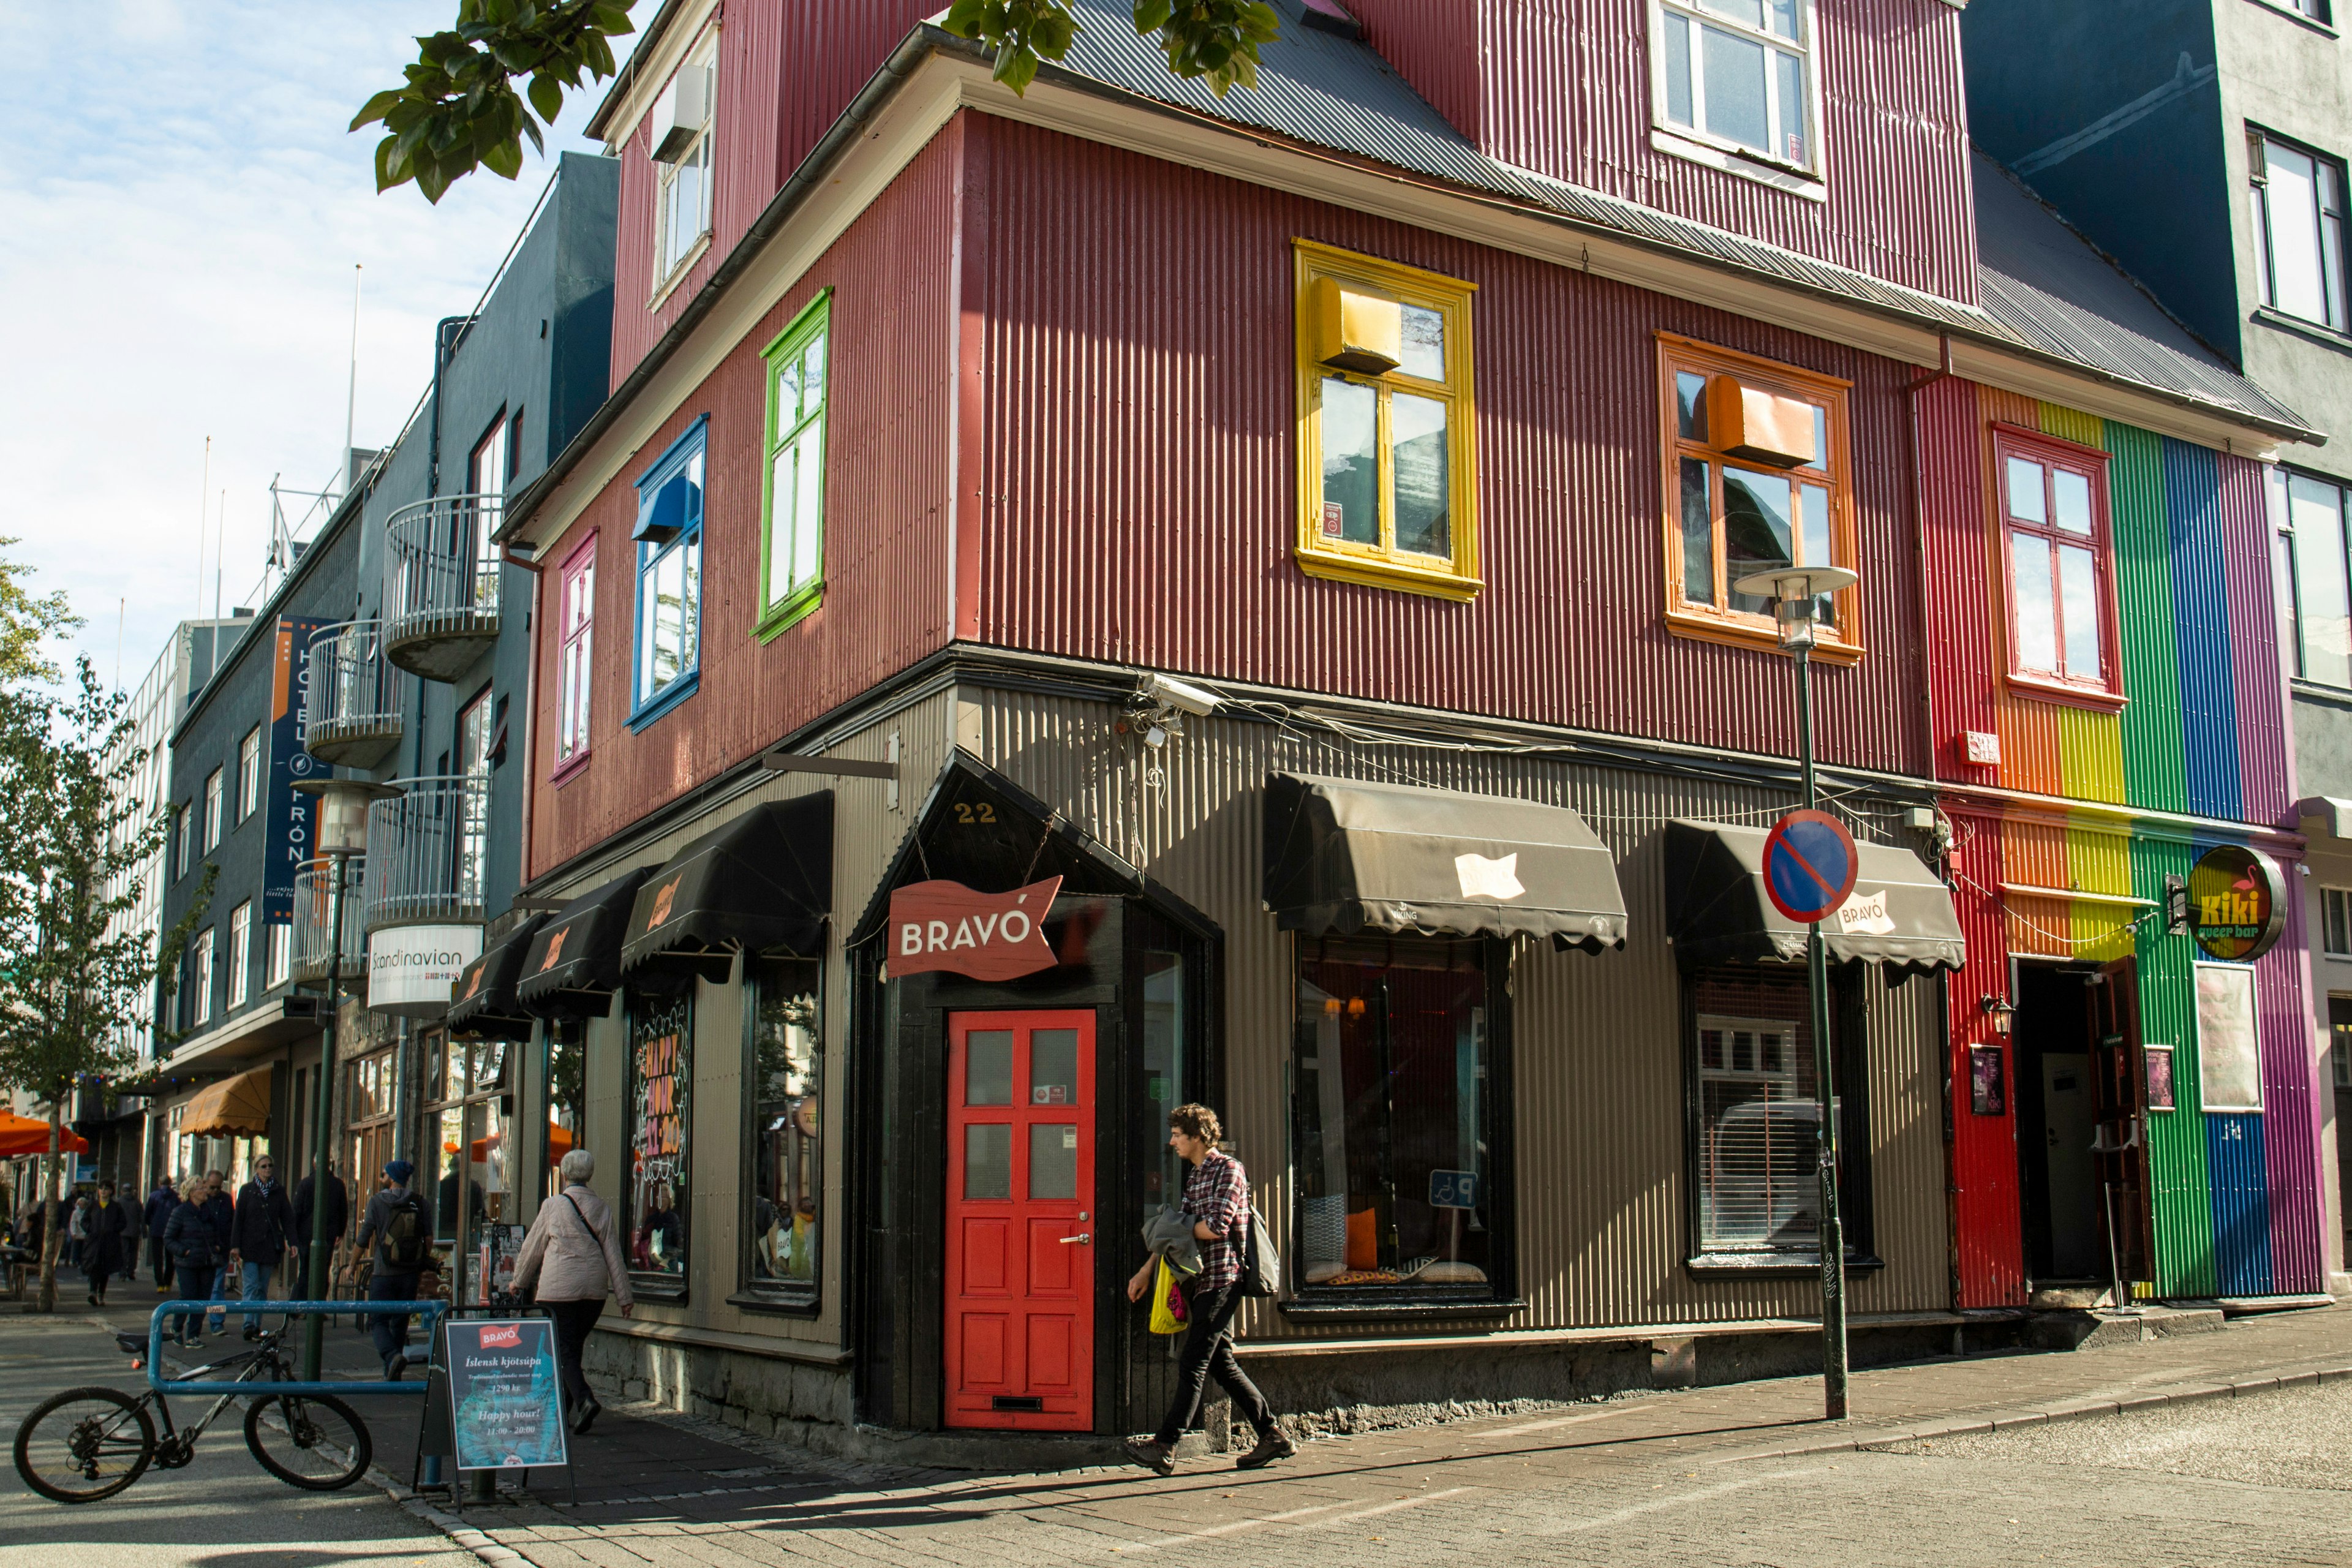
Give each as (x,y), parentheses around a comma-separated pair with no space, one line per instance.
(2046,1414)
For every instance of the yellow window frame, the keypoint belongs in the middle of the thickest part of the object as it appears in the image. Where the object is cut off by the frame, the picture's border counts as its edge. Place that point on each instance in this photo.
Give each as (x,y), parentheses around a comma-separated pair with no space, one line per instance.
(1380,563)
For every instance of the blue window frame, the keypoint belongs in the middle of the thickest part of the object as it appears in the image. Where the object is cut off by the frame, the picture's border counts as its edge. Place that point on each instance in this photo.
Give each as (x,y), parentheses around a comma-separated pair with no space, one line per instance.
(667,660)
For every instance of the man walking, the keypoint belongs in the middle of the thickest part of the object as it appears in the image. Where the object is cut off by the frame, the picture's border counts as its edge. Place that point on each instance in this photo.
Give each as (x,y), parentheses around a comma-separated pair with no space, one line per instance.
(160,1205)
(339,1220)
(1216,1199)
(221,1214)
(108,1245)
(399,1226)
(259,1233)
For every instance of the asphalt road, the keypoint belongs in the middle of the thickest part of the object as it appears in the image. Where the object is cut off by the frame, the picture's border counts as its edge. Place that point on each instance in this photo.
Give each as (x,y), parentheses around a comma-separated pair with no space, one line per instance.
(222,1511)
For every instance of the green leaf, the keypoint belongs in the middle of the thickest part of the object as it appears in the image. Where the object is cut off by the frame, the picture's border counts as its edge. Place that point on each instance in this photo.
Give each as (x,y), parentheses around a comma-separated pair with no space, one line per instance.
(547,97)
(376,107)
(1016,68)
(504,158)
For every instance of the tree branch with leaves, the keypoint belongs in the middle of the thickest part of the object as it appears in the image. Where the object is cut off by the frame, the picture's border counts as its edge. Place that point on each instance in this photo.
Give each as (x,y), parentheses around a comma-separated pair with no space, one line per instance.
(459,111)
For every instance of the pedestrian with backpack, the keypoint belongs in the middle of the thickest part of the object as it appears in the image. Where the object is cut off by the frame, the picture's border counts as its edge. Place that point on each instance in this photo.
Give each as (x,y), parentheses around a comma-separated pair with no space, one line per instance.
(400,1224)
(1216,1200)
(573,1256)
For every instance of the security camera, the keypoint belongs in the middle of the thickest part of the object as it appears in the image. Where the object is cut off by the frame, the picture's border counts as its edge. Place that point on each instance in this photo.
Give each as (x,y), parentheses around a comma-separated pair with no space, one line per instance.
(1167,692)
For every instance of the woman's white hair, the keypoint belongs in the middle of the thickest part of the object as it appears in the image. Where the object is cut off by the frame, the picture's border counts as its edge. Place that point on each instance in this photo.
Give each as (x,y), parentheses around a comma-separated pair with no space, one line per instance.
(578,1165)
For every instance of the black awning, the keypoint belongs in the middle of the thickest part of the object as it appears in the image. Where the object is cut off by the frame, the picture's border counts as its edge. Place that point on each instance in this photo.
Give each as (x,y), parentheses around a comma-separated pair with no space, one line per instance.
(1900,915)
(483,1000)
(761,884)
(1343,856)
(574,965)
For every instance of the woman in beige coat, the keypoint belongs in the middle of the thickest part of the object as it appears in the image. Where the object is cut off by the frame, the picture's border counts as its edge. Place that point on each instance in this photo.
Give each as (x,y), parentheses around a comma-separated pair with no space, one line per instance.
(573,1256)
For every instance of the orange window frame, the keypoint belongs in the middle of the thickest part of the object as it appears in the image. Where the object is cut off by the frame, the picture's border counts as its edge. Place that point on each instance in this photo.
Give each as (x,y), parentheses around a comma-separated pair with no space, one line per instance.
(2055,455)
(1722,621)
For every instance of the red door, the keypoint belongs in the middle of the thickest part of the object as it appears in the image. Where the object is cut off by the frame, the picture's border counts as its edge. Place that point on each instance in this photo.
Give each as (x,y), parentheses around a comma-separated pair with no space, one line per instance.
(1021,1179)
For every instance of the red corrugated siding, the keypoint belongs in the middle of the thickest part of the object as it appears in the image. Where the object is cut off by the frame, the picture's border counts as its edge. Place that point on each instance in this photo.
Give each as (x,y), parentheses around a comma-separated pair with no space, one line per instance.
(1959,595)
(786,73)
(1989,1245)
(1140,436)
(2265,761)
(1566,92)
(885,545)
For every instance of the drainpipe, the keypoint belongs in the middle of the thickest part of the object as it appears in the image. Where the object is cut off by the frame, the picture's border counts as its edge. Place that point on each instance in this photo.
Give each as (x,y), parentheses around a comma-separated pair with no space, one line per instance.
(529,708)
(1911,392)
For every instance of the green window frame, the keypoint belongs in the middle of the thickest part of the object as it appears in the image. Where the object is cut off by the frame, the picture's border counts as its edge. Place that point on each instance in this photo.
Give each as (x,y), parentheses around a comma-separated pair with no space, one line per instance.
(791,493)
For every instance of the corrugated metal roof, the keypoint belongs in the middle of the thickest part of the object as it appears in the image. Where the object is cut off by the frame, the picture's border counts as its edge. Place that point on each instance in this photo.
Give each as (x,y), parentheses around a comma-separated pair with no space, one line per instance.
(2048,285)
(2044,289)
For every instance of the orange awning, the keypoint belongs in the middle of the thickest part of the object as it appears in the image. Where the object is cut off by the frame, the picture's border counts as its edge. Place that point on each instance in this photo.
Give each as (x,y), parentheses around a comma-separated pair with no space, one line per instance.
(559,1145)
(234,1108)
(23,1135)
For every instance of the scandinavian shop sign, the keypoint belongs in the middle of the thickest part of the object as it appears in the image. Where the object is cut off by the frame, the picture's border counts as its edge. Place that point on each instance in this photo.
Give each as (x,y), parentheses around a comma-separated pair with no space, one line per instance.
(411,969)
(2237,902)
(987,936)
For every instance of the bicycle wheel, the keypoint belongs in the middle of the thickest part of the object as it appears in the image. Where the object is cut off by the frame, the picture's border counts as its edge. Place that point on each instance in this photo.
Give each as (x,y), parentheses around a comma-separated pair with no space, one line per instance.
(85,1444)
(309,1440)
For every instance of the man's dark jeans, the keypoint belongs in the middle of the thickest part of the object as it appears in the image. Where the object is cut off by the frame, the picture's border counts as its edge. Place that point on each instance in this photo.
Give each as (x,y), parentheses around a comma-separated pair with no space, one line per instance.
(1208,1352)
(390,1330)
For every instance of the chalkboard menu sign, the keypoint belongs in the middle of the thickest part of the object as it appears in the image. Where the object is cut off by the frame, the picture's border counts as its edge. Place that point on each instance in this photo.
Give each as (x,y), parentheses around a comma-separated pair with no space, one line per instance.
(506,1402)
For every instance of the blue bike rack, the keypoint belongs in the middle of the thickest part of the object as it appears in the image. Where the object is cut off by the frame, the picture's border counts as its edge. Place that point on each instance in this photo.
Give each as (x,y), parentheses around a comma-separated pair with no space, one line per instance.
(431,1312)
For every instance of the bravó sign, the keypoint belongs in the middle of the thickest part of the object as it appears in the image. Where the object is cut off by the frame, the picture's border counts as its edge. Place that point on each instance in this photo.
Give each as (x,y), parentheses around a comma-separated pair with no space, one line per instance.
(987,936)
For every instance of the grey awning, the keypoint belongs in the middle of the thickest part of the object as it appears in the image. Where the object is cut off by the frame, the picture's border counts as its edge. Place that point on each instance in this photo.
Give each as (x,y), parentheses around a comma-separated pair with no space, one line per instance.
(483,1001)
(1343,856)
(1716,911)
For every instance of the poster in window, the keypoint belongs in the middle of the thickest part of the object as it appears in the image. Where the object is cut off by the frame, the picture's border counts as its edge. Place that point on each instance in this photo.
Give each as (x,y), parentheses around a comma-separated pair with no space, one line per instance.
(2159,1077)
(2228,1048)
(1988,1085)
(661,1074)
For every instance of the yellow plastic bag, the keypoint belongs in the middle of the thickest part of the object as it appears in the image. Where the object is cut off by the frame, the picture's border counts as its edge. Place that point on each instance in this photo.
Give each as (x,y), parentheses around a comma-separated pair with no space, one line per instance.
(1166,1304)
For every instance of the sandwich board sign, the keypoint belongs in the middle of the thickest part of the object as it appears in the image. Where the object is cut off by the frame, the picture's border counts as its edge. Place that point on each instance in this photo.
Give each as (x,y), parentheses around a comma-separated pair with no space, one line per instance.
(506,1398)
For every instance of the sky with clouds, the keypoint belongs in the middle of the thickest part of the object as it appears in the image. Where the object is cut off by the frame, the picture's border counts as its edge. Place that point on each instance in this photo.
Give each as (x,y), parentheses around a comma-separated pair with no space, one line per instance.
(181,209)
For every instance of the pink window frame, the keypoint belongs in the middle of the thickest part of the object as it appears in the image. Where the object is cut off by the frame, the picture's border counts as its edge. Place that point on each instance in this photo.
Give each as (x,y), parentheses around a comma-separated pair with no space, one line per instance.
(2051,452)
(580,560)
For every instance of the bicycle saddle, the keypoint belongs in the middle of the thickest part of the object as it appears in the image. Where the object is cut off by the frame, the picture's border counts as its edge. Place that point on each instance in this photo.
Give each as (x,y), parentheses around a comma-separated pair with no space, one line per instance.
(132,1344)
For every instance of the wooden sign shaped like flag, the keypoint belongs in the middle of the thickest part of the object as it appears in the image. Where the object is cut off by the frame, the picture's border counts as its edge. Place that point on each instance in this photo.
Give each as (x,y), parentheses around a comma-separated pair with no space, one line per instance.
(988,936)
(1810,864)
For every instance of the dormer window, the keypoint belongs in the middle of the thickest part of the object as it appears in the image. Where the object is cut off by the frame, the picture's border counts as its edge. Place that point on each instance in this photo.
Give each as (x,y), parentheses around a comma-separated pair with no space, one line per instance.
(679,129)
(1739,76)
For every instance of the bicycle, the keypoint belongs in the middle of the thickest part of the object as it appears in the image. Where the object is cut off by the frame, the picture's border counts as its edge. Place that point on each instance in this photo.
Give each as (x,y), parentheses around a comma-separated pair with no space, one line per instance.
(88,1444)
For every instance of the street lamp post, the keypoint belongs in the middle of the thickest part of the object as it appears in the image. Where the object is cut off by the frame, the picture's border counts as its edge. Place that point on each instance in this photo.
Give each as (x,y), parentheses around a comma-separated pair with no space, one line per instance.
(1798,593)
(341,837)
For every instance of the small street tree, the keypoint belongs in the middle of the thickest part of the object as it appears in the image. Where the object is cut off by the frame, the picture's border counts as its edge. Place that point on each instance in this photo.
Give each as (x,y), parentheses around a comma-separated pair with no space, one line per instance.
(73,984)
(459,109)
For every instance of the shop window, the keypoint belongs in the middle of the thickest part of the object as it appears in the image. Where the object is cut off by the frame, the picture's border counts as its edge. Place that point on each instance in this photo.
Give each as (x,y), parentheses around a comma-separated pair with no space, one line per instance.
(240,953)
(669,536)
(577,627)
(248,774)
(2053,503)
(792,507)
(1755,476)
(1755,1123)
(567,1098)
(1387,472)
(468,1170)
(661,1076)
(1164,1066)
(1737,75)
(367,1115)
(1395,1103)
(680,126)
(2309,514)
(787,1071)
(2297,197)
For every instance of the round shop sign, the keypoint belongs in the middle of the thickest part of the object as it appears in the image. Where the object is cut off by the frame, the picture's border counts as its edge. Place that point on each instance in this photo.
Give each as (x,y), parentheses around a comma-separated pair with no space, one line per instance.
(2237,902)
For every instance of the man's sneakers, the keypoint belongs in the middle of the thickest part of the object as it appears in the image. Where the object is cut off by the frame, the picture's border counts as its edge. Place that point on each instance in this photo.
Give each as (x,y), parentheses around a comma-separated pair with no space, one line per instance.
(252,1333)
(1273,1445)
(395,1364)
(1159,1458)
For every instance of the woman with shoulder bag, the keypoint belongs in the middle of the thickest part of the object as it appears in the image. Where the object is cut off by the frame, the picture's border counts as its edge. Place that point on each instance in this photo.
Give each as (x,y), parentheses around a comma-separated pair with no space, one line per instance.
(573,1256)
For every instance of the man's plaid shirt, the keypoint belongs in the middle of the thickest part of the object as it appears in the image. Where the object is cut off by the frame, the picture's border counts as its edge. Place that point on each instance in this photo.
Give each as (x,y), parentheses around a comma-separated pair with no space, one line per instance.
(1216,1190)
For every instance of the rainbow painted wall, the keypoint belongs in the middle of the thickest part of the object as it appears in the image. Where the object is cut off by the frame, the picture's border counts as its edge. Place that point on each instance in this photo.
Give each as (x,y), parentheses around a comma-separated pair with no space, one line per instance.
(2099,808)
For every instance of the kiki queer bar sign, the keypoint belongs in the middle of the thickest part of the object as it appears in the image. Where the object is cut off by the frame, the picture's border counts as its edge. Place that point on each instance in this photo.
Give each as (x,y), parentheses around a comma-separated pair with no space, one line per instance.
(987,936)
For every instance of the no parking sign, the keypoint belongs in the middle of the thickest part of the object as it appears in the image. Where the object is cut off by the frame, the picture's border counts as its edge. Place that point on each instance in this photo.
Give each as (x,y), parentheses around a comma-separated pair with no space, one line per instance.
(1810,864)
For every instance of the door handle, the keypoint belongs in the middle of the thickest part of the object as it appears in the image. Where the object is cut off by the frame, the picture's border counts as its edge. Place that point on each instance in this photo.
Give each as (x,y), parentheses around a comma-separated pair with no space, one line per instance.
(1084,1238)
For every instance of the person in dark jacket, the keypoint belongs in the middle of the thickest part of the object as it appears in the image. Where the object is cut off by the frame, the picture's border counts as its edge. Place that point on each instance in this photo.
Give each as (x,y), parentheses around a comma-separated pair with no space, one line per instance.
(339,1220)
(259,1233)
(221,1216)
(194,1249)
(107,1244)
(152,1219)
(393,1212)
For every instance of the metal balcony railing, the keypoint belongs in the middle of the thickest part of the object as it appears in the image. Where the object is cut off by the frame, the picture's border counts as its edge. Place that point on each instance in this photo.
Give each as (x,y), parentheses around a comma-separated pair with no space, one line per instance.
(426,851)
(441,584)
(314,891)
(351,707)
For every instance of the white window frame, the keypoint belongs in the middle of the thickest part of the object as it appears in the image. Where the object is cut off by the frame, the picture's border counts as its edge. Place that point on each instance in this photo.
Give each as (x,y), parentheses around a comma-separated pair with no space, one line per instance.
(200,979)
(215,802)
(1808,176)
(240,955)
(577,629)
(278,955)
(670,261)
(1798,1058)
(2336,306)
(248,774)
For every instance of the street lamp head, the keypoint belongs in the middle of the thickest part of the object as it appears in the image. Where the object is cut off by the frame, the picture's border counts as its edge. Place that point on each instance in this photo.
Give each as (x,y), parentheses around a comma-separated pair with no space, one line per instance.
(343,812)
(1797,592)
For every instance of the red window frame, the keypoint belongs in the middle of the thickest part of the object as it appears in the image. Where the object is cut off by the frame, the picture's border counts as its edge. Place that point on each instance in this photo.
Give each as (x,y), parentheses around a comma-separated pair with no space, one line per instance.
(2053,454)
(575,590)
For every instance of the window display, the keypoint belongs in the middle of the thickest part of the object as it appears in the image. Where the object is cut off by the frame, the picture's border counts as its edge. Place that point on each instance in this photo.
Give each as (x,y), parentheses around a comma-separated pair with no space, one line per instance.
(787,1170)
(661,1073)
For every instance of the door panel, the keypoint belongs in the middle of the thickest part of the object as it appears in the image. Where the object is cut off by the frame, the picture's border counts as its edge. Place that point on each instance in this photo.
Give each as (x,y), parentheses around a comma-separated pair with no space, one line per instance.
(1021,1180)
(2121,1078)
